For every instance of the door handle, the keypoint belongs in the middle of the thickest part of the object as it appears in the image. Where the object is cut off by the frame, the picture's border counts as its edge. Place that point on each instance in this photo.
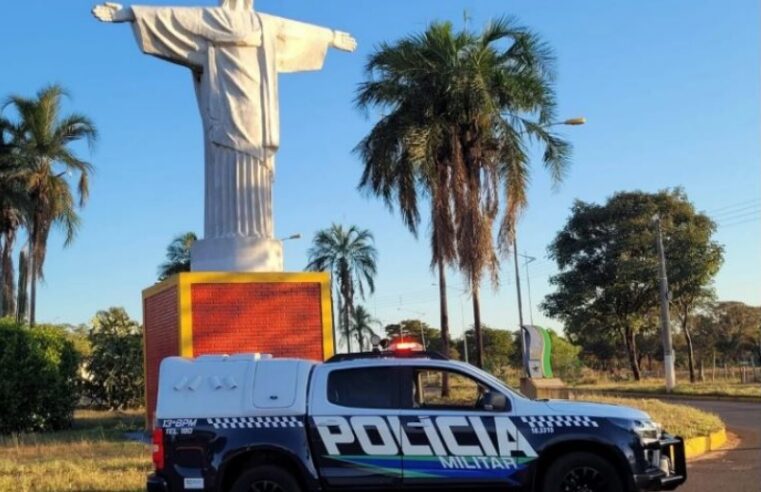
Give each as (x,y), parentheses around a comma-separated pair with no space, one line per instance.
(329,422)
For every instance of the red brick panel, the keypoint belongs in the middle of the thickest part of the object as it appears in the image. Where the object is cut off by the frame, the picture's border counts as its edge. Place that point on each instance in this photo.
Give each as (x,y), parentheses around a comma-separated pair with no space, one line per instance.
(283,319)
(162,328)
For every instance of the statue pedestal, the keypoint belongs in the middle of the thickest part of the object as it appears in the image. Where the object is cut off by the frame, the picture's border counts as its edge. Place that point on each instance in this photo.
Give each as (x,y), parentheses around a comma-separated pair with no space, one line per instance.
(237,254)
(544,388)
(197,313)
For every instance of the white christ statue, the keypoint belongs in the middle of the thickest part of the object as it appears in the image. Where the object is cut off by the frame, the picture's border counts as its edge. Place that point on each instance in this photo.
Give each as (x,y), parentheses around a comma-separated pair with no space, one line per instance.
(234,55)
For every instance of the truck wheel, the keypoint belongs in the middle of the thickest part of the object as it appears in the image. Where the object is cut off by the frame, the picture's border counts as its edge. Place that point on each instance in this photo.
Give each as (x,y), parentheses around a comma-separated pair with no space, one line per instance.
(266,478)
(581,472)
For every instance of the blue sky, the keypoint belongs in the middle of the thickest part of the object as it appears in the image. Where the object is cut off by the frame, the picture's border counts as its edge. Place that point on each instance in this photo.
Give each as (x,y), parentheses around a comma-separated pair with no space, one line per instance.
(670,91)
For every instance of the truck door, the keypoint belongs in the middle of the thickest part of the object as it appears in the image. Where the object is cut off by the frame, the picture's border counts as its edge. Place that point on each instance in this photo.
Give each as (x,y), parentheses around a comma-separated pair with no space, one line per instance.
(453,437)
(354,419)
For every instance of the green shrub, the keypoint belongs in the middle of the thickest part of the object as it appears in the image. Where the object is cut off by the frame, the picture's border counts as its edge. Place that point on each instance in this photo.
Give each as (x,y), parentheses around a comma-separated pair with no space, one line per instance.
(565,358)
(115,366)
(61,397)
(38,378)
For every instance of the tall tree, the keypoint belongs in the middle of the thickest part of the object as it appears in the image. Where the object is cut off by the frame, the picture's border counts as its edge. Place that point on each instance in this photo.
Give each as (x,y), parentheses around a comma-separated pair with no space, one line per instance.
(608,264)
(177,255)
(350,255)
(460,108)
(45,150)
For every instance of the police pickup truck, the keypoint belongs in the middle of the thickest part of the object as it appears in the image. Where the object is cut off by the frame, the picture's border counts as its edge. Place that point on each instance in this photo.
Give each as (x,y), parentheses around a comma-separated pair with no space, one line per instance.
(390,420)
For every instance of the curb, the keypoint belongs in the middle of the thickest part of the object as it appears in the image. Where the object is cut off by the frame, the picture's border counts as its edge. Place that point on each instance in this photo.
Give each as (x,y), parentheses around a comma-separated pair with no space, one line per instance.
(666,396)
(696,446)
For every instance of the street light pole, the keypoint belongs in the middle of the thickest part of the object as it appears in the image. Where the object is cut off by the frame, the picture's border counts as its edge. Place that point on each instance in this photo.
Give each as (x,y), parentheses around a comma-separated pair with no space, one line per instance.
(518,281)
(529,259)
(568,122)
(668,354)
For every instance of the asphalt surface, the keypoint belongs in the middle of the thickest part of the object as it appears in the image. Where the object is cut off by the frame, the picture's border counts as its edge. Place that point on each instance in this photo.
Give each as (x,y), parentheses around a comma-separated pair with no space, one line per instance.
(737,468)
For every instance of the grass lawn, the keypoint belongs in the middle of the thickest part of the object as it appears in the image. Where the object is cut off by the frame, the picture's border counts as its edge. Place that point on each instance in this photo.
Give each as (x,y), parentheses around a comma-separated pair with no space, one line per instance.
(707,388)
(91,456)
(680,420)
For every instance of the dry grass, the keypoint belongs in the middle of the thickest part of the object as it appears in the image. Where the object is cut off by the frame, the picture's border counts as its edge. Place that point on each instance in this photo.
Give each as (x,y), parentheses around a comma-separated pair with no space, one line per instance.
(92,456)
(680,420)
(723,388)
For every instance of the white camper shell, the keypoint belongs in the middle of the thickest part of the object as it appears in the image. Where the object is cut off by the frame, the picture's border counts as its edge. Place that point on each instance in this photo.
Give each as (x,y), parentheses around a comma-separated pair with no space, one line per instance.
(241,385)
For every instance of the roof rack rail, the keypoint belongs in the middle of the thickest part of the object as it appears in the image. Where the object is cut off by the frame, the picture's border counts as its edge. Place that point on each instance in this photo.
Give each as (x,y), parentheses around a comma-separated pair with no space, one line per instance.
(388,354)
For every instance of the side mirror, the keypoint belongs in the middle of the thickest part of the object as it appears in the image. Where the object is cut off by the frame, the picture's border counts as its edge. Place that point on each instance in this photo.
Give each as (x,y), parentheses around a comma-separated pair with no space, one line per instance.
(495,402)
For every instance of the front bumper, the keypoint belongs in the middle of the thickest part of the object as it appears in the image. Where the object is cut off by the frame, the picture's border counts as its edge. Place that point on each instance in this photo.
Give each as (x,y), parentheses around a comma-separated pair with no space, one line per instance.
(668,468)
(156,484)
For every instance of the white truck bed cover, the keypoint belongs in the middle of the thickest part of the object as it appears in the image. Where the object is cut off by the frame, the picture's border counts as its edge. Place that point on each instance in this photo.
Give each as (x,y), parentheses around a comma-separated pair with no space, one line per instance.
(240,385)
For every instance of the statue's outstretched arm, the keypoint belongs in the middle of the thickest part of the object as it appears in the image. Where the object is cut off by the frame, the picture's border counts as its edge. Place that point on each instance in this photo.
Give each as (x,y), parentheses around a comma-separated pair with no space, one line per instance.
(113,12)
(344,41)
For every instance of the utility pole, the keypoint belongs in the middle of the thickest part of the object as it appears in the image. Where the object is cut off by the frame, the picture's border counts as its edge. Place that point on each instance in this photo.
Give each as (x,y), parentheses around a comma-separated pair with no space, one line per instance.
(524,348)
(668,352)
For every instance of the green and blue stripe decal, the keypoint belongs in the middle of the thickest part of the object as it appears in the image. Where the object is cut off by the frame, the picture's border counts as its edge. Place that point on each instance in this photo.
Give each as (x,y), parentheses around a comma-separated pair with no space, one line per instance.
(433,467)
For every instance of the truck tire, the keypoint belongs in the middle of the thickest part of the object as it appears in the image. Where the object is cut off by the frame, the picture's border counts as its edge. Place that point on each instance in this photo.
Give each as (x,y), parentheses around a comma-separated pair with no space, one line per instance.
(266,478)
(581,472)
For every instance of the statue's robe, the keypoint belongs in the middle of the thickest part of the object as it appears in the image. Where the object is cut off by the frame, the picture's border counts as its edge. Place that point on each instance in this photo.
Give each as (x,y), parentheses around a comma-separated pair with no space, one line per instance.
(235,57)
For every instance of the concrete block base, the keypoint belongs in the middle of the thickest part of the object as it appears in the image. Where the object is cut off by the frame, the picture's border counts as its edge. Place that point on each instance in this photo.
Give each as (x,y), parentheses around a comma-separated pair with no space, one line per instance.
(544,388)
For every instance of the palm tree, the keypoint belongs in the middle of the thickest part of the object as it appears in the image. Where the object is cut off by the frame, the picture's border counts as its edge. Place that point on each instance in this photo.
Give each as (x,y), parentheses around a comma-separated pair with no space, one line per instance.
(44,150)
(460,109)
(362,327)
(13,203)
(177,255)
(350,255)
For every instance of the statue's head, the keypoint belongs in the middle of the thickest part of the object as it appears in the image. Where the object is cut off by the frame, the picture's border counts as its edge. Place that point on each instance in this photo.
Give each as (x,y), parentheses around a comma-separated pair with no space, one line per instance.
(237,4)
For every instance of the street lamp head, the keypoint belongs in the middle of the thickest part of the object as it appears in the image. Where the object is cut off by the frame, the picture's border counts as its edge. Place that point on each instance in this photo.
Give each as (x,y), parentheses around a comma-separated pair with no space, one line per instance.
(575,121)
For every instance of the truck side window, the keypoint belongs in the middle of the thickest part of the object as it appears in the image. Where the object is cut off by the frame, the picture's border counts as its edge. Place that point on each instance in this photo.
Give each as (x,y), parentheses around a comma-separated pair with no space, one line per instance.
(464,391)
(371,387)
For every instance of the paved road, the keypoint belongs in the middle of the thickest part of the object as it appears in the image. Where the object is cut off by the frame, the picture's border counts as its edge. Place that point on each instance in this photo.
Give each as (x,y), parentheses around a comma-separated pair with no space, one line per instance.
(733,470)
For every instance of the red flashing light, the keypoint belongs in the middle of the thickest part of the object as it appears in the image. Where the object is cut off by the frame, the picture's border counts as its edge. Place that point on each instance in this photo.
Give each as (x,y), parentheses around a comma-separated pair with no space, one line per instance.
(157,439)
(403,345)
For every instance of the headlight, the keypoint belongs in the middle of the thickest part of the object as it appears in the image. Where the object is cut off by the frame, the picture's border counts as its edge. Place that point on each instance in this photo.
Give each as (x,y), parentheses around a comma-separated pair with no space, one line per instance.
(647,430)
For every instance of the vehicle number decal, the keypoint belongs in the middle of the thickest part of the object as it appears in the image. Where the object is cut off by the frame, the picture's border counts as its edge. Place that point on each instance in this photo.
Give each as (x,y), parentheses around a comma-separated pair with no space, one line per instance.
(542,430)
(178,423)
